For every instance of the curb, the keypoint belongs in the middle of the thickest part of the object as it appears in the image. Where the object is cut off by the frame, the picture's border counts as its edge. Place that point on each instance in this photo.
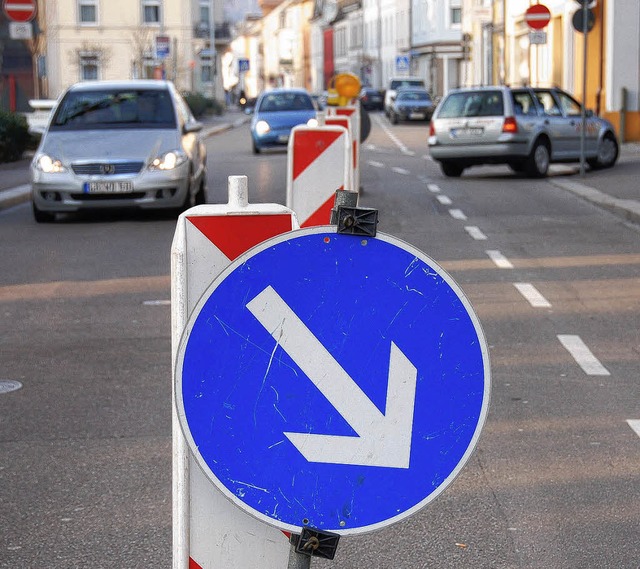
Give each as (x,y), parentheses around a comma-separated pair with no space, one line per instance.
(628,209)
(21,194)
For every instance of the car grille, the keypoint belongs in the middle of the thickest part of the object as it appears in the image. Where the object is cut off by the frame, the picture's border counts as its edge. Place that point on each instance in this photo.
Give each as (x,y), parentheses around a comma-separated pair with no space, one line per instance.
(107,197)
(101,168)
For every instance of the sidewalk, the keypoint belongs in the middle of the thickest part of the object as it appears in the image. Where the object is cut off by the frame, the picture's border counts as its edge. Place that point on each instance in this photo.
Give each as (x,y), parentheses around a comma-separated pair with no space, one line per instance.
(14,176)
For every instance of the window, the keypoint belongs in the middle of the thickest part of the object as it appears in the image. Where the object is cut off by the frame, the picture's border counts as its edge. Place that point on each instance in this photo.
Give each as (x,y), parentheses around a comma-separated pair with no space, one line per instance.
(87,11)
(545,98)
(151,11)
(456,16)
(89,66)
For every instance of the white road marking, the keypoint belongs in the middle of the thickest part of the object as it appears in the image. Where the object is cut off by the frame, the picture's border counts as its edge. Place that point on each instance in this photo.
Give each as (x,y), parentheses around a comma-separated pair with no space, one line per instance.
(401,171)
(433,188)
(532,294)
(582,354)
(408,152)
(392,136)
(475,232)
(444,200)
(635,425)
(457,214)
(375,164)
(499,259)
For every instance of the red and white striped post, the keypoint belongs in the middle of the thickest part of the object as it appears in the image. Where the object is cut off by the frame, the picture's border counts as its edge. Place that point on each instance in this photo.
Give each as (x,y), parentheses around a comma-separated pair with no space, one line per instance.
(353,112)
(318,164)
(209,532)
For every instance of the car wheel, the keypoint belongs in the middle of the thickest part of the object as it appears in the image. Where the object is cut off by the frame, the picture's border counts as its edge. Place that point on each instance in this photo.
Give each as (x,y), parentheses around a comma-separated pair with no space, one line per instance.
(607,153)
(537,163)
(451,169)
(43,216)
(255,148)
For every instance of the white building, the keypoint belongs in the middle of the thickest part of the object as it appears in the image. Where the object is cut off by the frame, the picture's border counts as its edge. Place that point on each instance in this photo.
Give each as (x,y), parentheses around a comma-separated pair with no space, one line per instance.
(436,39)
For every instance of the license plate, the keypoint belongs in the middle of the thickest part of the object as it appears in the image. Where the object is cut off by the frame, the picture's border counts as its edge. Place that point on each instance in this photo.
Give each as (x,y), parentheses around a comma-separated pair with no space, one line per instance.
(469,131)
(283,138)
(108,187)
(417,116)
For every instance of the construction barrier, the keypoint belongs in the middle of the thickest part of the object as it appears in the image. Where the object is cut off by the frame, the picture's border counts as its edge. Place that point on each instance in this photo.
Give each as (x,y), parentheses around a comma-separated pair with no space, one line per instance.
(209,532)
(318,164)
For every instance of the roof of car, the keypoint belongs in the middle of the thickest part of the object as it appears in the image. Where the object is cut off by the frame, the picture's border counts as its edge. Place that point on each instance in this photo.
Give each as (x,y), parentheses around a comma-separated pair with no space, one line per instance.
(122,84)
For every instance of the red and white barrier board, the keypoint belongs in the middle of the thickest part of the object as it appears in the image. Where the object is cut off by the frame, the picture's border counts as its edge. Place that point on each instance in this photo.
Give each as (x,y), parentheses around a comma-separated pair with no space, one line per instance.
(353,112)
(318,164)
(209,532)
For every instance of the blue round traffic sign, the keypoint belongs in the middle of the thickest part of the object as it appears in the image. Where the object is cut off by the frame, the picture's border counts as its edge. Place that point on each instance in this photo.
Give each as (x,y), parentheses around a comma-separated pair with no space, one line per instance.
(332,381)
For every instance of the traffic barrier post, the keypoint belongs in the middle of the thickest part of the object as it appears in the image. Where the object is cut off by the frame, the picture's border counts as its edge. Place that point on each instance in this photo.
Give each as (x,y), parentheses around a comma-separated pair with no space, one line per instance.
(209,532)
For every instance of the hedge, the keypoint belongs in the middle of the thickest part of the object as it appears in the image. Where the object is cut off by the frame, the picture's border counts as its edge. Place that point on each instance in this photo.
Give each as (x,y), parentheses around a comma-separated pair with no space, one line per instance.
(14,136)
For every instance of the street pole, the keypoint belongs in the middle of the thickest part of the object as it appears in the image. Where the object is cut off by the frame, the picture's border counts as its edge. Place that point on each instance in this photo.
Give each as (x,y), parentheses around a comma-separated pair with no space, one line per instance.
(583,113)
(212,49)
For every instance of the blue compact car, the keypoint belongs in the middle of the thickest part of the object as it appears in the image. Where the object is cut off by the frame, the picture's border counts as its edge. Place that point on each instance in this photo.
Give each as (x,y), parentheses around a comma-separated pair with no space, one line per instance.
(276,113)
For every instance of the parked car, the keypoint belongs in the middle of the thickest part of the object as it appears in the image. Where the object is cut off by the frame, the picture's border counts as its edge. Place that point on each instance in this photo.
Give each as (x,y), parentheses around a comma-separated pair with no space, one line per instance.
(119,144)
(411,104)
(276,113)
(371,99)
(396,83)
(526,128)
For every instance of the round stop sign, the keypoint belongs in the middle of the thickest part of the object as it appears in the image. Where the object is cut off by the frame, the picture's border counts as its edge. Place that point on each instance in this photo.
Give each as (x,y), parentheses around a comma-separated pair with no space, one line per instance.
(537,16)
(19,10)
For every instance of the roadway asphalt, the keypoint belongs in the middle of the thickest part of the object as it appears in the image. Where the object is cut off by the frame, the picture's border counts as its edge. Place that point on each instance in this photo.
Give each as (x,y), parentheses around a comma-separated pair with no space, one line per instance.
(615,189)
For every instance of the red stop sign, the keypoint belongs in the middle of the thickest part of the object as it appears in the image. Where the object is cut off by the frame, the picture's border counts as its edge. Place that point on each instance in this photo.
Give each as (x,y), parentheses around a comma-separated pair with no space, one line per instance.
(19,10)
(537,16)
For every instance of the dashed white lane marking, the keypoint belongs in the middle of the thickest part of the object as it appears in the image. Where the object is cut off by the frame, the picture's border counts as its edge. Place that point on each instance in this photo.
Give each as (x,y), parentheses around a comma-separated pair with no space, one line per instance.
(635,425)
(392,136)
(475,232)
(401,171)
(375,164)
(408,152)
(532,294)
(499,259)
(433,188)
(444,200)
(156,303)
(457,214)
(582,354)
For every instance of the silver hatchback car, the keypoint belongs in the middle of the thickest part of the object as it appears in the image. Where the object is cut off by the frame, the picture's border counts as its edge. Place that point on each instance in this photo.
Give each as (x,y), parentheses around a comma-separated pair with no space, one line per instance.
(526,128)
(119,144)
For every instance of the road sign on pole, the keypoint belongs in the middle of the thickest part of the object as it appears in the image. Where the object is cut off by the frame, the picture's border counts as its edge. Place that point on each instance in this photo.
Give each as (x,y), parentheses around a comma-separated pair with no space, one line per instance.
(20,10)
(332,382)
(537,16)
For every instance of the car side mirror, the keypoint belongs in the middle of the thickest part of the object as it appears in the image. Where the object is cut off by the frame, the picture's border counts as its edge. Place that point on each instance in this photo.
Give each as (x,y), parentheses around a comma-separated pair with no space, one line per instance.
(193,126)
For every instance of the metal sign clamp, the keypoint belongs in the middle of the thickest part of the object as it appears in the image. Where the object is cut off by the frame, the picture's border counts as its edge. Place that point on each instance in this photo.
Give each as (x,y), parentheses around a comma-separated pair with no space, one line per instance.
(313,542)
(357,221)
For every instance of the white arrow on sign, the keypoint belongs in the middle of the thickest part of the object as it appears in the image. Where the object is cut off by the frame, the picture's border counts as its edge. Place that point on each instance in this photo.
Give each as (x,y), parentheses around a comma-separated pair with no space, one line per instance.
(383,440)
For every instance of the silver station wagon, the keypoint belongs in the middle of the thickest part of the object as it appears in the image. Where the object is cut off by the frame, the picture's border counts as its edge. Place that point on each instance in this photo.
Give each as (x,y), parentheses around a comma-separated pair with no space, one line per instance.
(526,128)
(119,144)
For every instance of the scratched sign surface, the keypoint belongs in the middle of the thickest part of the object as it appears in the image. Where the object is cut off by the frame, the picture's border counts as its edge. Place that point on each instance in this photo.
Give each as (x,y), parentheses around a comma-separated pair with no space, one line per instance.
(332,381)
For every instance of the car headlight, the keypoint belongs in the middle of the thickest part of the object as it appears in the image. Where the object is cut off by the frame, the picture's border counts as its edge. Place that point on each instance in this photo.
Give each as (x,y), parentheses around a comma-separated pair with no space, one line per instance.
(312,122)
(169,160)
(49,165)
(262,127)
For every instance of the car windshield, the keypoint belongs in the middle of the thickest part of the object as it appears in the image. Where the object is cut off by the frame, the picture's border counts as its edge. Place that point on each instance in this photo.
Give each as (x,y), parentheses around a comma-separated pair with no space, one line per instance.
(144,108)
(472,104)
(274,102)
(414,96)
(399,83)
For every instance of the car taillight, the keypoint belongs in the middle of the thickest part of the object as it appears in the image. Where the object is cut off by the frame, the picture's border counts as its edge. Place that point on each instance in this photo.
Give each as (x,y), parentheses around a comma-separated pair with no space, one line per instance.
(432,129)
(510,125)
